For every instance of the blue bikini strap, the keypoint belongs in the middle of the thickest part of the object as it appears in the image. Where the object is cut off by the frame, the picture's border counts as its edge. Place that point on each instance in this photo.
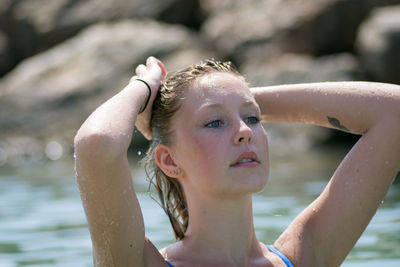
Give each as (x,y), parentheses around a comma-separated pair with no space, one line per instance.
(280,255)
(270,248)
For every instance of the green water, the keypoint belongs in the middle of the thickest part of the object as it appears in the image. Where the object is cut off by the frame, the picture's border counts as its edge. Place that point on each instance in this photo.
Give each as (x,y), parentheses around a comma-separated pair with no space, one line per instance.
(42,221)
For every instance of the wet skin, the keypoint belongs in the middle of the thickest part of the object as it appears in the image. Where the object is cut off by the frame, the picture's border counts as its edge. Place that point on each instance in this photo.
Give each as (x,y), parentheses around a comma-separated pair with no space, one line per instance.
(218,124)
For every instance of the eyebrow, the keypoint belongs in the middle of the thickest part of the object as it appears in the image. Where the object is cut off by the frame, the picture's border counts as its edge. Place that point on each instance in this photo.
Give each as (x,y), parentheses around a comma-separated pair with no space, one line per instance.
(219,105)
(245,104)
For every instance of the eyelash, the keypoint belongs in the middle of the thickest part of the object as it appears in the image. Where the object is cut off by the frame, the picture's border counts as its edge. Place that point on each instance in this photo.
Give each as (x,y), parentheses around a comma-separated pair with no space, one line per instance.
(248,120)
(209,125)
(256,120)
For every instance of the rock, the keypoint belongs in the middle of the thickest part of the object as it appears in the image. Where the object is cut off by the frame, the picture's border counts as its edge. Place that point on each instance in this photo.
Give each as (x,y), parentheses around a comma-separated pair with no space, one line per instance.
(49,95)
(36,25)
(296,68)
(7,59)
(378,44)
(7,51)
(187,13)
(286,139)
(232,23)
(314,27)
(5,7)
(291,138)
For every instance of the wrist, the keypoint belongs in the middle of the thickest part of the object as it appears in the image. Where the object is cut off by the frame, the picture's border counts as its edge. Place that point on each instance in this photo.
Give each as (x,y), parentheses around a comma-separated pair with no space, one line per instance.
(147,94)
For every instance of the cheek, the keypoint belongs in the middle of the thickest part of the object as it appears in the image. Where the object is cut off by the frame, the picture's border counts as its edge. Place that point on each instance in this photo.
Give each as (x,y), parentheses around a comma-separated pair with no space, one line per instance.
(202,154)
(207,148)
(260,137)
(264,139)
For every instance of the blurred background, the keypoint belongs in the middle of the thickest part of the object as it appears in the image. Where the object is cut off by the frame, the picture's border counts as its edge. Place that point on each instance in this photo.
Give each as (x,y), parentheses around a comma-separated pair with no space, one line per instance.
(60,59)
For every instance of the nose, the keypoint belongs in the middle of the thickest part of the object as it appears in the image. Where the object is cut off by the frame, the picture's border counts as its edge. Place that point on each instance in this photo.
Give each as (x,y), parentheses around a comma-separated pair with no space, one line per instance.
(243,135)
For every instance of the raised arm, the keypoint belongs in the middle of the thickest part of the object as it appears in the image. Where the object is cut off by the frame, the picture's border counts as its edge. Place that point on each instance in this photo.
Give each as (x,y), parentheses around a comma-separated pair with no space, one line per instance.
(325,232)
(103,172)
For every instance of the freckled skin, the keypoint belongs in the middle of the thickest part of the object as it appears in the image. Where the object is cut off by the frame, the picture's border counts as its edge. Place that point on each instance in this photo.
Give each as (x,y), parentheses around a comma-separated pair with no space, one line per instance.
(205,154)
(206,143)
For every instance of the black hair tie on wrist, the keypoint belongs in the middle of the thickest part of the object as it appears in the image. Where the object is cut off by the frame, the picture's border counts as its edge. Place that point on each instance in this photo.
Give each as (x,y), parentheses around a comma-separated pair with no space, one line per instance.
(148,97)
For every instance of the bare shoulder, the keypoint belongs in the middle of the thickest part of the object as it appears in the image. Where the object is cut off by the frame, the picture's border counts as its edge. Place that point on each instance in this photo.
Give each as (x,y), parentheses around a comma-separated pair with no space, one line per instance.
(153,256)
(180,255)
(325,232)
(174,254)
(296,243)
(183,253)
(173,251)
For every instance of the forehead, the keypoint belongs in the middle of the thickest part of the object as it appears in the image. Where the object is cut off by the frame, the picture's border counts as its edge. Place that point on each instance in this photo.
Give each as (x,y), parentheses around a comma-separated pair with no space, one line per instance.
(217,87)
(215,90)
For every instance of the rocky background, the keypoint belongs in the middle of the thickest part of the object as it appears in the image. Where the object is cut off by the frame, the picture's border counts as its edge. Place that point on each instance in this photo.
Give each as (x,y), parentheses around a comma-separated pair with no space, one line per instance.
(60,59)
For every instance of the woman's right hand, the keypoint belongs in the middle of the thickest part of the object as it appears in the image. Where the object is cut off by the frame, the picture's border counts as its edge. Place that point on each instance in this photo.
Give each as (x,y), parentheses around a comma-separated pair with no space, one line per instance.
(103,172)
(153,73)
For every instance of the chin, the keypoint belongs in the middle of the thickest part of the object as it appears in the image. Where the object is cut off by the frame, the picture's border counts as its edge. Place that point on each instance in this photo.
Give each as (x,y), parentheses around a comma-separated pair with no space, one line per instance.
(252,184)
(260,186)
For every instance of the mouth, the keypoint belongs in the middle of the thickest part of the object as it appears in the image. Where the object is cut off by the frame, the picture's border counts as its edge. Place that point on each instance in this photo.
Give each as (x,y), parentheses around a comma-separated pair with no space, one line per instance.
(246,159)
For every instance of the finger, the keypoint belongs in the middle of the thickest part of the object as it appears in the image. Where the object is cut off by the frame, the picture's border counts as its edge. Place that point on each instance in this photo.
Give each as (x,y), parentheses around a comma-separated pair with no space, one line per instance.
(163,69)
(153,62)
(140,70)
(150,62)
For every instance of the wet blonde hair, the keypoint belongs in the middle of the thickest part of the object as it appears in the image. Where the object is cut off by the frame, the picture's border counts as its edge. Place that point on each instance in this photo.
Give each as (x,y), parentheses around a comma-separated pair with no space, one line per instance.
(167,103)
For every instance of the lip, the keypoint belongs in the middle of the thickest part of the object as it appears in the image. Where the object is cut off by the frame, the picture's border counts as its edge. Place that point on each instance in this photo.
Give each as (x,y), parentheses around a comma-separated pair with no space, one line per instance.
(246,155)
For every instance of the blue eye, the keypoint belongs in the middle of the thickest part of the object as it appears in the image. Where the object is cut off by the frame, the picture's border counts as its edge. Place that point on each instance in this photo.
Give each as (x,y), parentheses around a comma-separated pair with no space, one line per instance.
(252,120)
(214,124)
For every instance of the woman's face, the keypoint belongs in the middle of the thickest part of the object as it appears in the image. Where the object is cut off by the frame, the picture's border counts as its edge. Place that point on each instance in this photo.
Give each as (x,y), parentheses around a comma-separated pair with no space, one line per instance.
(218,140)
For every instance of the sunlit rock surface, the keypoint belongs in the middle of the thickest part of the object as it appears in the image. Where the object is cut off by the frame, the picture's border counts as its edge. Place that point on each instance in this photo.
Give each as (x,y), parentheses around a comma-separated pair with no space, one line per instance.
(52,93)
(60,59)
(379,42)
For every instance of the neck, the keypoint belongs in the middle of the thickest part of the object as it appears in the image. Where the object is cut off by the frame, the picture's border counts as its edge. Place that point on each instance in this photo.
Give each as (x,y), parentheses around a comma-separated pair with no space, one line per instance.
(222,229)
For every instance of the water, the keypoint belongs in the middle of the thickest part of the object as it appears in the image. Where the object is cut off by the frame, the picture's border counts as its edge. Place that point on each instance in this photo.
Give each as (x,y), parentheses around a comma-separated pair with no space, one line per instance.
(42,221)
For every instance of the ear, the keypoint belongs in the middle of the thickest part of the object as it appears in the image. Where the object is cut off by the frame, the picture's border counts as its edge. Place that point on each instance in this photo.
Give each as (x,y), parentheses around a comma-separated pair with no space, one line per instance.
(165,160)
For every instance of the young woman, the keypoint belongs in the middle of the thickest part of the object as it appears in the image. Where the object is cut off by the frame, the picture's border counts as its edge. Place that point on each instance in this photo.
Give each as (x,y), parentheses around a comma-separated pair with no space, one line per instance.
(209,154)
